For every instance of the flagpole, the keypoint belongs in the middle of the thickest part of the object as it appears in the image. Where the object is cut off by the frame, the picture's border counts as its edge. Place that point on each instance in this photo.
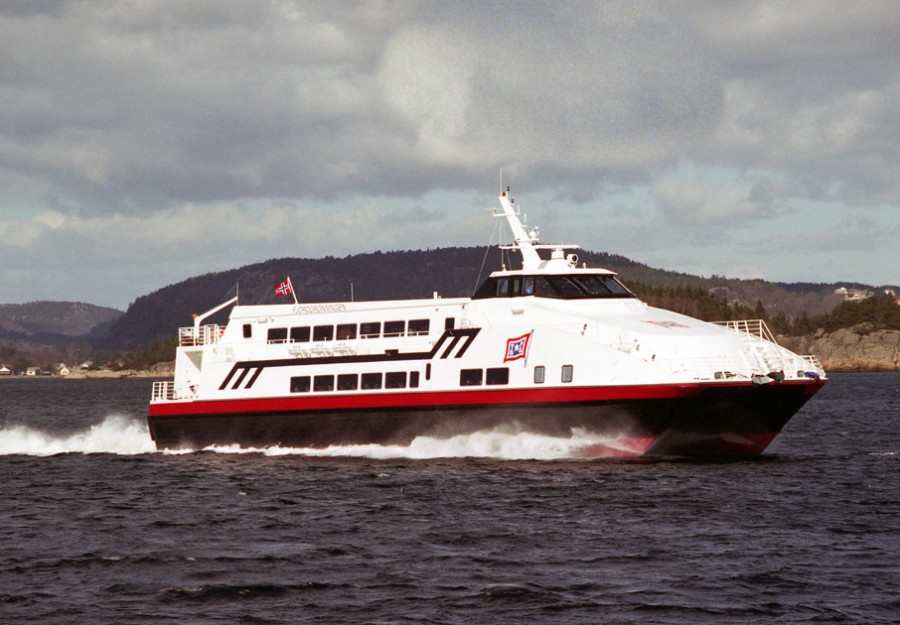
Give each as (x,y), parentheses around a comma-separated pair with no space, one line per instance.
(293,292)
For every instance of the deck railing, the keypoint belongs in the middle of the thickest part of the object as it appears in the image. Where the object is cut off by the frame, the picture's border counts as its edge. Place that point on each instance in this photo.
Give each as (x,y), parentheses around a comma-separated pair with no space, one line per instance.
(204,335)
(163,391)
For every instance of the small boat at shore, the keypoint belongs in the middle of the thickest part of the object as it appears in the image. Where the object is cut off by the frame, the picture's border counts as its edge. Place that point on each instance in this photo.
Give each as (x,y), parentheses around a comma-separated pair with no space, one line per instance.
(551,347)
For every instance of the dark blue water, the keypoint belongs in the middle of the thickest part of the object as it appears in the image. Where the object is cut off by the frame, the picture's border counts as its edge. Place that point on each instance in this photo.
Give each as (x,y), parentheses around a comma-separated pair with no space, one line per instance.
(96,527)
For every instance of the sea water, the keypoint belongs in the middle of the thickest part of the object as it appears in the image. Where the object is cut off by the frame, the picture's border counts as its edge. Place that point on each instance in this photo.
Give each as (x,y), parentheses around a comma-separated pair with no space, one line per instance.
(96,526)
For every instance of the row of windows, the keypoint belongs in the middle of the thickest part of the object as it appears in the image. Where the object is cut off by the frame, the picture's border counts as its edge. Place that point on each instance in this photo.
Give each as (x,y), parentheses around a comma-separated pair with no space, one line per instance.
(354,382)
(576,286)
(500,375)
(400,379)
(349,331)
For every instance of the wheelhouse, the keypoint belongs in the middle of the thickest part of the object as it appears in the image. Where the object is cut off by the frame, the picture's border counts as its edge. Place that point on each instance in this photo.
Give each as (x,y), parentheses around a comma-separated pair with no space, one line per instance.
(561,286)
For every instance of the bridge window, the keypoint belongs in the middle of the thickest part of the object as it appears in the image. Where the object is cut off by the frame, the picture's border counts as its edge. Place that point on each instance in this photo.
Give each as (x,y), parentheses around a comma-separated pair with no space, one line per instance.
(300,384)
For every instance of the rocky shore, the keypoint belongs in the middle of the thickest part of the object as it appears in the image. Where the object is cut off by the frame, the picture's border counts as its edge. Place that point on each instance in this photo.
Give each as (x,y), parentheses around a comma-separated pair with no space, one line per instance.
(859,348)
(161,370)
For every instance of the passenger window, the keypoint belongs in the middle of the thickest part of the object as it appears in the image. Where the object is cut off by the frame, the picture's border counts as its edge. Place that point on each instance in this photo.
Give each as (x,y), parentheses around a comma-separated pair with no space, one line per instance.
(418,326)
(470,377)
(300,384)
(413,379)
(323,333)
(277,335)
(567,373)
(300,335)
(394,328)
(449,323)
(346,331)
(428,371)
(371,330)
(499,375)
(395,379)
(248,330)
(539,374)
(348,382)
(323,383)
(371,381)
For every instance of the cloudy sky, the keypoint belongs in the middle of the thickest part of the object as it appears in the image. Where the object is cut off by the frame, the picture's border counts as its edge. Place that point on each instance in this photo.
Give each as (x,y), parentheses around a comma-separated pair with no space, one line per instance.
(144,142)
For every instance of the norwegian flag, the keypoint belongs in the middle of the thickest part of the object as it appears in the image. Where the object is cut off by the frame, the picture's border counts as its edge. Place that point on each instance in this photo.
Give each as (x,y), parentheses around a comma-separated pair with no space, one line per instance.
(517,348)
(284,288)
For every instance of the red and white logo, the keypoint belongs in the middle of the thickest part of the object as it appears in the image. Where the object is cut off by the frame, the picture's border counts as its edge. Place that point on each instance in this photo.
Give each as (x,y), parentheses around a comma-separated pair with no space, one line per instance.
(517,348)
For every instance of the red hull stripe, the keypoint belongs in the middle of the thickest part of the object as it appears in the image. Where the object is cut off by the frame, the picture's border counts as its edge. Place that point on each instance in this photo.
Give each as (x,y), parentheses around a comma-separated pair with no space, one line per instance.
(413,399)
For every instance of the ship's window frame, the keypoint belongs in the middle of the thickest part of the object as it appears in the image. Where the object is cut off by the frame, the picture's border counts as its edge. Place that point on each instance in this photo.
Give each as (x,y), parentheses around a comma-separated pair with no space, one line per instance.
(323,333)
(323,383)
(528,285)
(371,381)
(418,327)
(413,379)
(471,377)
(300,334)
(345,332)
(395,379)
(428,371)
(495,376)
(370,330)
(567,373)
(502,287)
(394,328)
(539,374)
(276,335)
(248,331)
(347,382)
(449,323)
(300,384)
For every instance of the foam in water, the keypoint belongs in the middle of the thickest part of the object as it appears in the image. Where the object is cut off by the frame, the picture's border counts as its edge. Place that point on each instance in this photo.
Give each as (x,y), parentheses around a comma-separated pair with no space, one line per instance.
(114,435)
(499,443)
(126,436)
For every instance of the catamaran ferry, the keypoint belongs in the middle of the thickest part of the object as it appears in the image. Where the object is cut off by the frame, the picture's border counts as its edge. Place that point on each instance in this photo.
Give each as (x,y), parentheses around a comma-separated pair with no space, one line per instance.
(552,348)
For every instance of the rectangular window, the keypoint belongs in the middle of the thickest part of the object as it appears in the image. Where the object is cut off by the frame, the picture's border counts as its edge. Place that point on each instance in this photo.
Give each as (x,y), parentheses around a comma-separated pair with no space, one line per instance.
(502,287)
(449,323)
(348,382)
(395,379)
(323,383)
(470,377)
(413,379)
(248,330)
(300,384)
(371,330)
(394,328)
(276,335)
(539,374)
(567,373)
(371,381)
(346,331)
(428,371)
(300,335)
(498,375)
(323,333)
(418,327)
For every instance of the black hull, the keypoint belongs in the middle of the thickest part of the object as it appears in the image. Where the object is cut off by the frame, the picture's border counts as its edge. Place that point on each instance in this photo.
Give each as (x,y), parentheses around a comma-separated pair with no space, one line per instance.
(738,420)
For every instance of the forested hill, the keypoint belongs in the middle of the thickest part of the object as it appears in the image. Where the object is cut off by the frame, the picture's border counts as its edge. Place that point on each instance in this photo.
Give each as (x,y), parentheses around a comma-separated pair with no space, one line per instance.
(451,272)
(50,323)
